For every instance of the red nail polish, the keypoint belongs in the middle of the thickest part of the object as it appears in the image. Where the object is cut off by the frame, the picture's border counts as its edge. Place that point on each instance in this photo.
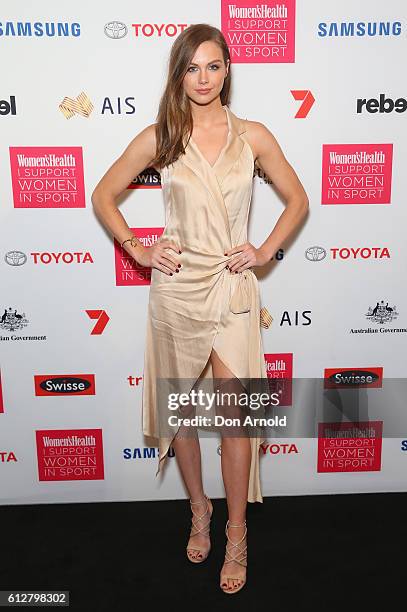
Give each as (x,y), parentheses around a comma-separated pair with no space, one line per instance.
(170,273)
(176,270)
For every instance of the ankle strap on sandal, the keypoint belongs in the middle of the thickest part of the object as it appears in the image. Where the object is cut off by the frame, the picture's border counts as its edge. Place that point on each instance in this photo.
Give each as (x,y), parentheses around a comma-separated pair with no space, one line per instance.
(228,524)
(205,498)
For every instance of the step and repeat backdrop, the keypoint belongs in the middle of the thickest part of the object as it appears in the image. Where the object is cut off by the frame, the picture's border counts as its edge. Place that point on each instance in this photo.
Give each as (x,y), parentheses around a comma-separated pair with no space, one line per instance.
(79,81)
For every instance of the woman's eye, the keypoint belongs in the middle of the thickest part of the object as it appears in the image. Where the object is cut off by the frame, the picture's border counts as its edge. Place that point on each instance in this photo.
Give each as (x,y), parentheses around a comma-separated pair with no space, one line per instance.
(192,68)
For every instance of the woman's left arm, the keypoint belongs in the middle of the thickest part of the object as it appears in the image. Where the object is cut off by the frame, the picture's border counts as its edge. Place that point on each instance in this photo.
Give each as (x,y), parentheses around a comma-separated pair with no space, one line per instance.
(270,158)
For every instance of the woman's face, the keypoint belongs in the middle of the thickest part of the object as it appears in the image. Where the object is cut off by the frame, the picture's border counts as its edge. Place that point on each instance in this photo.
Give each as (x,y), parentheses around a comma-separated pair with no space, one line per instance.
(206,71)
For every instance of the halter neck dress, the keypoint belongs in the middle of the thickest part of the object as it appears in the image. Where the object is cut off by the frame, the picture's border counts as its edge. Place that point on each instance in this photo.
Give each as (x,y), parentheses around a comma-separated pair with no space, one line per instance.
(204,306)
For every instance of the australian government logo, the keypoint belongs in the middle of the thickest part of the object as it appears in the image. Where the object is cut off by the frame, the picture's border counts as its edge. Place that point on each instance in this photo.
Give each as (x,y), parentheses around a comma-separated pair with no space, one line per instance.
(12,321)
(380,316)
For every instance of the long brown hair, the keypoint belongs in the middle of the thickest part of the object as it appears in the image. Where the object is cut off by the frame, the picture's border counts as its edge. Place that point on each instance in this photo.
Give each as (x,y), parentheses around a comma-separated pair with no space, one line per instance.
(174,118)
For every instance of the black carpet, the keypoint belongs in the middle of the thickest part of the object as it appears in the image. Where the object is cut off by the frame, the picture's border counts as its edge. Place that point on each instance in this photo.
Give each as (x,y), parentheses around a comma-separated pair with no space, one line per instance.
(316,553)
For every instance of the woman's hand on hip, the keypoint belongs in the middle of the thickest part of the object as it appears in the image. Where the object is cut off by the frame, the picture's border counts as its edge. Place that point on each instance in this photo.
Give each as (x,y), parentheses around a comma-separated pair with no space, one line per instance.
(245,256)
(156,256)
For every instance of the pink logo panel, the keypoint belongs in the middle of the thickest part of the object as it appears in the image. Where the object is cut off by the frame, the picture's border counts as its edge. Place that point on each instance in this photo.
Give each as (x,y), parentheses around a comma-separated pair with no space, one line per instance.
(128,271)
(350,447)
(47,177)
(356,173)
(259,33)
(70,454)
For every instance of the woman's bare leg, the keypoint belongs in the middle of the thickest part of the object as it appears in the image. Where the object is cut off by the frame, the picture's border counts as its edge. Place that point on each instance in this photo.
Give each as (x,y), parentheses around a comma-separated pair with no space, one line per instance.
(188,455)
(235,461)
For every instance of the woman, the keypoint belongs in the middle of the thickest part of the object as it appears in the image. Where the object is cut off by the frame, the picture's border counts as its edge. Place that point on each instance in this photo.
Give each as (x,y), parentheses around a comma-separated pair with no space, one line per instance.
(203,317)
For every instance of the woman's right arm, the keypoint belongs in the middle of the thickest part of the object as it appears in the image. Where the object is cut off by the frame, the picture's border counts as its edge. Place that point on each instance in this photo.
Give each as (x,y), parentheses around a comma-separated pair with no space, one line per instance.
(135,158)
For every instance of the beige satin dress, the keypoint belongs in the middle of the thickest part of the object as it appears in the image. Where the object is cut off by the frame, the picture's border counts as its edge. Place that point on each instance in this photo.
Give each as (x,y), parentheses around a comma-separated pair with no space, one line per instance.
(204,306)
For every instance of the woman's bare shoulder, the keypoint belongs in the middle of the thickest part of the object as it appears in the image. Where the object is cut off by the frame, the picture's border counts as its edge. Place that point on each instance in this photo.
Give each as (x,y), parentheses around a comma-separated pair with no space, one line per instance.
(259,136)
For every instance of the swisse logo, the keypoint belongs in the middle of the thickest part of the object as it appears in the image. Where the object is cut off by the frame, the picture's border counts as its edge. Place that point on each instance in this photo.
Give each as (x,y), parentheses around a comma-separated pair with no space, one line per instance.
(8,107)
(149,178)
(345,378)
(115,29)
(279,449)
(66,384)
(62,258)
(359,28)
(382,105)
(145,452)
(315,253)
(360,253)
(15,258)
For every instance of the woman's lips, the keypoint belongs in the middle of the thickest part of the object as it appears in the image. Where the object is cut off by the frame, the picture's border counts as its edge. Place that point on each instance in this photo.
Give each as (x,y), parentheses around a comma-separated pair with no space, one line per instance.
(203,91)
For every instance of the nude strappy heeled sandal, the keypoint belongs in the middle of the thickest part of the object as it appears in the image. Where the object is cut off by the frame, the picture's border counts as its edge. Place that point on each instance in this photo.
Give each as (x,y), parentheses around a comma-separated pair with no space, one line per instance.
(240,557)
(205,529)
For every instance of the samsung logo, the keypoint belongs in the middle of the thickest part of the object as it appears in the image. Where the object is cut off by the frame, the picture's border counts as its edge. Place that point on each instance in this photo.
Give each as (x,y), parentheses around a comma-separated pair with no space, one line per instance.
(49,28)
(359,28)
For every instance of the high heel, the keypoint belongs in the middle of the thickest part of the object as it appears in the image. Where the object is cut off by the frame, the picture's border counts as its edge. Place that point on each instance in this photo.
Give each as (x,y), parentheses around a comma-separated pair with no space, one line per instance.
(204,529)
(240,557)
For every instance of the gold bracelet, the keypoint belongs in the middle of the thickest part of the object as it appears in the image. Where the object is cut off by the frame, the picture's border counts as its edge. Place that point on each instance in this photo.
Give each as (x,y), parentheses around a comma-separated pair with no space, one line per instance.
(132,241)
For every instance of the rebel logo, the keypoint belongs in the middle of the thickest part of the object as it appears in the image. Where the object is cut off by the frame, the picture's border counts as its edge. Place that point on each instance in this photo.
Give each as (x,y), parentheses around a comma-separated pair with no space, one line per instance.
(381,105)
(67,384)
(8,107)
(349,378)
